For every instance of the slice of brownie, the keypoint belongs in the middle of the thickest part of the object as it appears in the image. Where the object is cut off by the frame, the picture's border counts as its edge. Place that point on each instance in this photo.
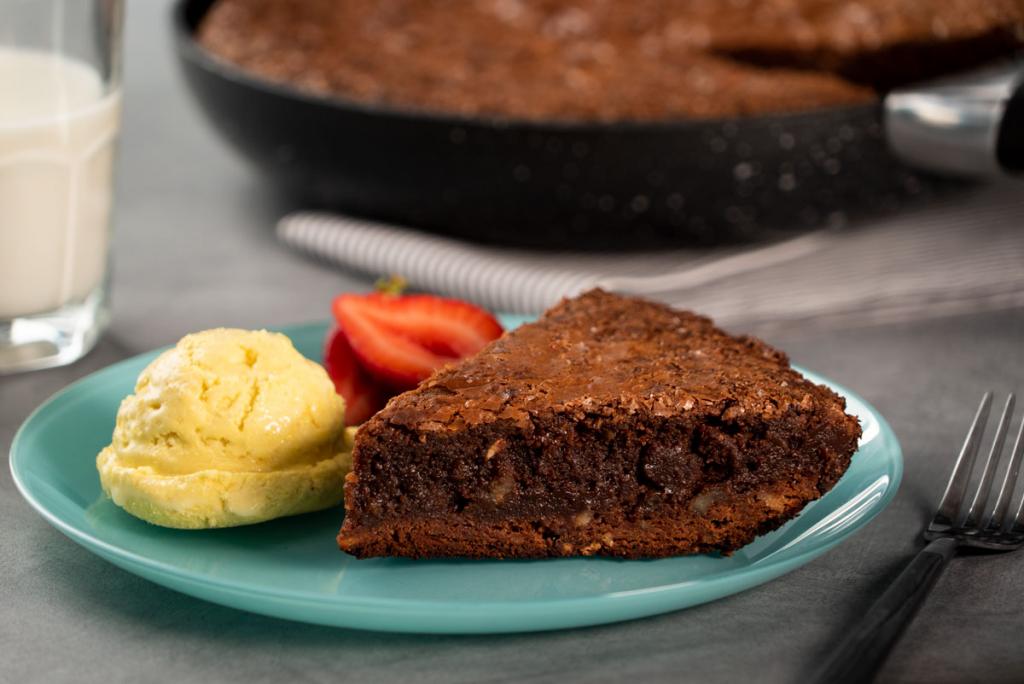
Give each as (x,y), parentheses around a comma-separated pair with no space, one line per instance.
(611,426)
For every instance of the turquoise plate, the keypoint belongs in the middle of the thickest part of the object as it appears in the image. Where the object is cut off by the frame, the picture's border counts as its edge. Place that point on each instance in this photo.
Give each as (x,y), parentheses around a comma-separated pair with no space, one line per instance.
(291,568)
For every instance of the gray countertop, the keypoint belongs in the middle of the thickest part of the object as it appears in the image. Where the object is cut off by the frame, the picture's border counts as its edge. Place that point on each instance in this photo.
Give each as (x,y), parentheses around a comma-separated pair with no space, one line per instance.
(194,249)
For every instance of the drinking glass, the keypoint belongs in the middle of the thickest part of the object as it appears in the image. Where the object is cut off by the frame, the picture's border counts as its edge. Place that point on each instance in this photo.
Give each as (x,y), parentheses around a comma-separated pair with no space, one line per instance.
(60,108)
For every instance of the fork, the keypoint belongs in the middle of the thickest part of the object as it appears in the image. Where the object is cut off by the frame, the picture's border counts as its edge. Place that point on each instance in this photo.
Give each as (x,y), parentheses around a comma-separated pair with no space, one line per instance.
(955,526)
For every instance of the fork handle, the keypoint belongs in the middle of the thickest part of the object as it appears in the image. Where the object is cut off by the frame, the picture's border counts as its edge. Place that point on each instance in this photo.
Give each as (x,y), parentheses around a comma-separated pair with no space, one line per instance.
(864,649)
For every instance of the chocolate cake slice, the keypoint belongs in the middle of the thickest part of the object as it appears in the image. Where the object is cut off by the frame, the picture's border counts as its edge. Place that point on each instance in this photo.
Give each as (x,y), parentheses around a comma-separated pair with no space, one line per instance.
(611,426)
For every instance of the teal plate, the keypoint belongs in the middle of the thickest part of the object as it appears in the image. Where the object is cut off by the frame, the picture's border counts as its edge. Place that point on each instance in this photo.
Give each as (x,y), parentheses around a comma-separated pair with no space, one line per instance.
(291,568)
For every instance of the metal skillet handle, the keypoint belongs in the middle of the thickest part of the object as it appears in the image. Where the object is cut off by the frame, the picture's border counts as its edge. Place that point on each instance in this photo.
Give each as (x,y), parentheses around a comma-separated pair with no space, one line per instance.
(968,125)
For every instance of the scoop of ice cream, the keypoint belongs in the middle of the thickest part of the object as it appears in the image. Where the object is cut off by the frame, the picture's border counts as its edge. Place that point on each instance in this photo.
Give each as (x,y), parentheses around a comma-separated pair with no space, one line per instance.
(229,427)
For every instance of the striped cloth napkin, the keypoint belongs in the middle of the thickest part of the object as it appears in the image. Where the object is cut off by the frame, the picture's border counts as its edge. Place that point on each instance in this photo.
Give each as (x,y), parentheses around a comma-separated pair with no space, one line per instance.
(958,255)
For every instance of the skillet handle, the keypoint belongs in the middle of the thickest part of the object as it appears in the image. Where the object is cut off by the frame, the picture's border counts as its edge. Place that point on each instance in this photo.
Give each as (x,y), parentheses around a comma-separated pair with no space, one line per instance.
(1010,143)
(967,125)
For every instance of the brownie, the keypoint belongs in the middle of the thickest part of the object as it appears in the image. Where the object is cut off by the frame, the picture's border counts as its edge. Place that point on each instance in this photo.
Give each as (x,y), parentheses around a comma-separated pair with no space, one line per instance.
(880,43)
(610,426)
(550,66)
(596,60)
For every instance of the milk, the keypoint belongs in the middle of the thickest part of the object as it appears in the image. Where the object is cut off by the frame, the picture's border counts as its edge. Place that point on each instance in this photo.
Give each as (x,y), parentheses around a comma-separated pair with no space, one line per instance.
(57,133)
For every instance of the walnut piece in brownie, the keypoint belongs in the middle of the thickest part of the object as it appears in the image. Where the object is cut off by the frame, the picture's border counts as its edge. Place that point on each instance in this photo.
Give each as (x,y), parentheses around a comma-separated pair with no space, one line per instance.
(611,426)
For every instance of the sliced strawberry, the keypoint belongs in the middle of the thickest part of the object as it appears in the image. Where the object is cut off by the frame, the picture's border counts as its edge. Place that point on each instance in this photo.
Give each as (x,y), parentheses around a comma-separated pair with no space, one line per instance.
(446,327)
(362,398)
(403,339)
(389,357)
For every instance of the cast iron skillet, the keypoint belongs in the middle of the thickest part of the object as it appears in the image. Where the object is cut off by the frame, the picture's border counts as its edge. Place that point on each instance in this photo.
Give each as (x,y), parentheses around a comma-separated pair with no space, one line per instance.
(578,185)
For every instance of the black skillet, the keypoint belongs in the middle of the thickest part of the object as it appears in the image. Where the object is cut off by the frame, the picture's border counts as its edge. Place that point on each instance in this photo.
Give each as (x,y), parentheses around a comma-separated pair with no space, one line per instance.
(575,185)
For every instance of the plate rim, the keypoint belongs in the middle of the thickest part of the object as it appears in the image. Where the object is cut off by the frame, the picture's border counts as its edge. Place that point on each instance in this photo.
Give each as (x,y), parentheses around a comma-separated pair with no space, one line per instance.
(157,570)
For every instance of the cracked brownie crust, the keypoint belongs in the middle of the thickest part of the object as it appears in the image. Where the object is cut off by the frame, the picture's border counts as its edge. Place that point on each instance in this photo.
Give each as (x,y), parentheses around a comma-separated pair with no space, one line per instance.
(611,426)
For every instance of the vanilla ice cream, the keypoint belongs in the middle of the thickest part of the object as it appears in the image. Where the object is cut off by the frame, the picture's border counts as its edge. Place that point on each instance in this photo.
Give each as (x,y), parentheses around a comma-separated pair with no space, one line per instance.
(229,427)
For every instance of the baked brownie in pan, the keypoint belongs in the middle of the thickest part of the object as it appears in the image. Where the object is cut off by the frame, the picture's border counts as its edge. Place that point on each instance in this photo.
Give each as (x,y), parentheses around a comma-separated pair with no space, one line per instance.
(611,426)
(594,60)
(880,43)
(555,60)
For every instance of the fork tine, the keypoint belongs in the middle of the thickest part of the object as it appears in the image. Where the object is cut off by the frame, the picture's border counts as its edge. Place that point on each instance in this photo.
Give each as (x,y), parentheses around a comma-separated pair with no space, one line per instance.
(981,494)
(957,486)
(998,515)
(1015,459)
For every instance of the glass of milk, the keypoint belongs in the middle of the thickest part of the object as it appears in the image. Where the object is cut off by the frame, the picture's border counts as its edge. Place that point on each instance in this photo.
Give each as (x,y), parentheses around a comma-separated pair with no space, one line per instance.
(60,105)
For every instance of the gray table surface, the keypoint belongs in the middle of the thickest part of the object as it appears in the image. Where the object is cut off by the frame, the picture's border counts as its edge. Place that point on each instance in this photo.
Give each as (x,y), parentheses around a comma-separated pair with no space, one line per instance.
(194,249)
